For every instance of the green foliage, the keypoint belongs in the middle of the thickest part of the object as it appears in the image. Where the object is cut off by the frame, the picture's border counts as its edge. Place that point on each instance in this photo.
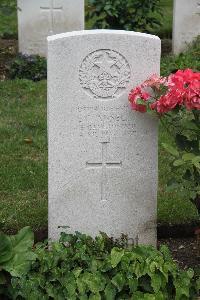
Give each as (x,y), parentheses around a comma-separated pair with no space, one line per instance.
(134,15)
(79,267)
(185,126)
(16,255)
(189,59)
(165,30)
(174,205)
(8,18)
(31,67)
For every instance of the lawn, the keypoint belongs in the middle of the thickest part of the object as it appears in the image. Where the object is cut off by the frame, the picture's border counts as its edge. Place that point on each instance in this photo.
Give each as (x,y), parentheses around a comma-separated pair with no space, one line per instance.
(23,160)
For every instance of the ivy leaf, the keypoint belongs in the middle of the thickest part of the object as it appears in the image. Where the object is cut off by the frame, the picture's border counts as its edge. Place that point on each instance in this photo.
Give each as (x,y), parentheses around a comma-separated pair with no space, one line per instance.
(171,149)
(81,285)
(95,282)
(110,292)
(83,297)
(133,284)
(138,296)
(116,256)
(95,297)
(156,282)
(77,272)
(119,281)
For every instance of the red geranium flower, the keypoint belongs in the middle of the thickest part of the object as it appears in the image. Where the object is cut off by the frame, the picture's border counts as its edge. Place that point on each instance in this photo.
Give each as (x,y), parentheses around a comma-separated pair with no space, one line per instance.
(138,94)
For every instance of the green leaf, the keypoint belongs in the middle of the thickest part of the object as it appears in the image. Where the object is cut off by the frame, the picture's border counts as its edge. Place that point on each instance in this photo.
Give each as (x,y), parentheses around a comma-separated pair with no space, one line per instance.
(95,297)
(141,101)
(149,297)
(81,285)
(83,297)
(94,281)
(110,292)
(5,248)
(22,254)
(77,272)
(178,162)
(156,282)
(119,281)
(188,156)
(23,240)
(171,149)
(116,256)
(196,161)
(190,273)
(137,296)
(133,284)
(20,264)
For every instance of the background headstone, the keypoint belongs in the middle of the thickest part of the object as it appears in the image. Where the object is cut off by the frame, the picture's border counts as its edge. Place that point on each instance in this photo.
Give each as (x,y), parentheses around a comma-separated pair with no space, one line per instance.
(38,19)
(102,155)
(186,23)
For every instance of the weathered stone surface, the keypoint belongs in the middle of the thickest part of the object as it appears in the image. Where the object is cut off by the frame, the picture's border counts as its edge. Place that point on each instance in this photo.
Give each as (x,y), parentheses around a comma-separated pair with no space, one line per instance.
(102,155)
(38,19)
(186,23)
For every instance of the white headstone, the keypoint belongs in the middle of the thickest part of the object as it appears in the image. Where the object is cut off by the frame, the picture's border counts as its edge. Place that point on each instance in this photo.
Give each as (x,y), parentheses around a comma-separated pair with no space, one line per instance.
(186,23)
(102,155)
(38,19)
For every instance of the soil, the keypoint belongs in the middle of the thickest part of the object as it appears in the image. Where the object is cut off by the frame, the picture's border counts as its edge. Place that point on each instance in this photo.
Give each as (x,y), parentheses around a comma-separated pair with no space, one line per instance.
(184,251)
(166,46)
(8,50)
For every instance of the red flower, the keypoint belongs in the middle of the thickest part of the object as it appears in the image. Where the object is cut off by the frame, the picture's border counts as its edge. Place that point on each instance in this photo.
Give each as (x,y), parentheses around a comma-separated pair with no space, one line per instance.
(192,98)
(138,94)
(154,81)
(181,89)
(168,102)
(187,75)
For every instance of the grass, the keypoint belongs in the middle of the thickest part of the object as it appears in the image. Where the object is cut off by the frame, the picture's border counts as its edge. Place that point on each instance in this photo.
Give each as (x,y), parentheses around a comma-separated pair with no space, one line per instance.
(8,18)
(23,159)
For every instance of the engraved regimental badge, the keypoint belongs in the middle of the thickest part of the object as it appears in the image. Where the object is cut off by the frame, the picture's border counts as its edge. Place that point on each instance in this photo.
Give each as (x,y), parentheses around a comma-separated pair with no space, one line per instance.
(104,74)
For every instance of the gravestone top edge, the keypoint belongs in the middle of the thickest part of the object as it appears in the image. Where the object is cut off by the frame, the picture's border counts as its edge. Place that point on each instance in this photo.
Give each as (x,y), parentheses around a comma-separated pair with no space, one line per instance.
(55,37)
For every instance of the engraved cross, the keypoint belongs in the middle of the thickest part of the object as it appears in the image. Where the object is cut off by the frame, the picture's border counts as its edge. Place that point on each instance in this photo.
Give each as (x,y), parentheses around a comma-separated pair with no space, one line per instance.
(104,164)
(51,9)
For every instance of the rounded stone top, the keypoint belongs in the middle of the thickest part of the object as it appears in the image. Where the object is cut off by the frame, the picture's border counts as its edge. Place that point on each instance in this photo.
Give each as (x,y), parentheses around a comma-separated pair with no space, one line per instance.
(101,32)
